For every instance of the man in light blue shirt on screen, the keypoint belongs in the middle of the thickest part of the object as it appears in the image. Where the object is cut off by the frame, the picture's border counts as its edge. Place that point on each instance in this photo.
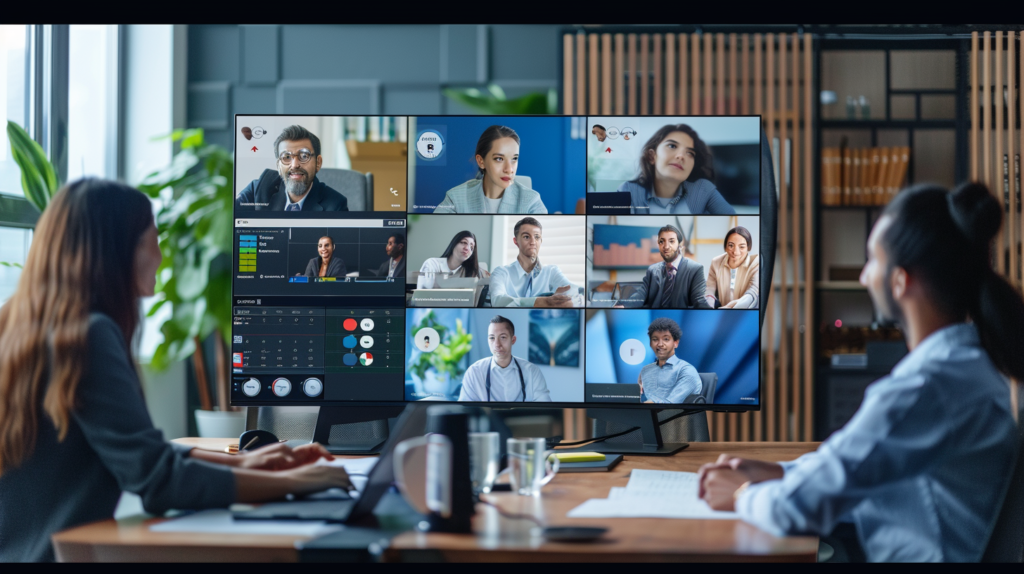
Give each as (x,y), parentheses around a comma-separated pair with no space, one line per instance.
(527,283)
(921,470)
(669,379)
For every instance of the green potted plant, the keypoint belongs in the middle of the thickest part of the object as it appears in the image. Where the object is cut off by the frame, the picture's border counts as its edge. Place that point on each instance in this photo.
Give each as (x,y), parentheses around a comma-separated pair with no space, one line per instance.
(195,225)
(495,102)
(434,372)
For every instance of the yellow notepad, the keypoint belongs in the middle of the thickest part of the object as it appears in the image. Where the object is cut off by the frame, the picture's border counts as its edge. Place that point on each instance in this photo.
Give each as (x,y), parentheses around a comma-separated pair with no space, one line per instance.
(579,456)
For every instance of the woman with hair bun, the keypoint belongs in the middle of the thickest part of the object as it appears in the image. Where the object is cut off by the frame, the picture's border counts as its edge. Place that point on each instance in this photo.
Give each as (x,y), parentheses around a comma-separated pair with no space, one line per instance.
(920,471)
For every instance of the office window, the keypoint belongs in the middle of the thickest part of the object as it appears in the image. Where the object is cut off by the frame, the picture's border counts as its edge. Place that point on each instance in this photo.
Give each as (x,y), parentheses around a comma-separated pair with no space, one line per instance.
(92,101)
(13,249)
(14,98)
(562,245)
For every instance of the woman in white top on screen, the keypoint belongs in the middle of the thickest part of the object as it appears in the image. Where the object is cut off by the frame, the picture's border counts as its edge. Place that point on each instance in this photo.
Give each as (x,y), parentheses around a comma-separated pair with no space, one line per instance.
(458,260)
(734,277)
(495,189)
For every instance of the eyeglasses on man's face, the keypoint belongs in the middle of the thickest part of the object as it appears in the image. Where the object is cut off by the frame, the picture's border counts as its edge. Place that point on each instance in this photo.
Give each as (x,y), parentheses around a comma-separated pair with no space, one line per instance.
(304,155)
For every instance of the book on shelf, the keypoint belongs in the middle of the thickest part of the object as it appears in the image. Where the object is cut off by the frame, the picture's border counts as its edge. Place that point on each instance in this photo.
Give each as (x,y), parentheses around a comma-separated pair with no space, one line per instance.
(864,176)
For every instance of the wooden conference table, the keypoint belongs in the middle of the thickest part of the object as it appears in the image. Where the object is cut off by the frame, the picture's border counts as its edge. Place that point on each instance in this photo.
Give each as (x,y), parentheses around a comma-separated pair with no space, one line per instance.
(496,539)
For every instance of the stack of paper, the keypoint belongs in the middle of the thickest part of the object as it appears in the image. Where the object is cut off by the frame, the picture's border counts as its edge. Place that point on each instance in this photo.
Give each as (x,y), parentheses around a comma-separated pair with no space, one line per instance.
(652,494)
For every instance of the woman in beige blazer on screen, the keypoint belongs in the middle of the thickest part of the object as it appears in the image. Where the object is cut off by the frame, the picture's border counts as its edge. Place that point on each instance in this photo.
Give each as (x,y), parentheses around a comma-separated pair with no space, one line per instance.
(734,277)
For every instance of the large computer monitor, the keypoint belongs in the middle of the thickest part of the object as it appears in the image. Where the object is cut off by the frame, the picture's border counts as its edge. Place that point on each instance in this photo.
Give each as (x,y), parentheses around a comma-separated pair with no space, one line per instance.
(368,275)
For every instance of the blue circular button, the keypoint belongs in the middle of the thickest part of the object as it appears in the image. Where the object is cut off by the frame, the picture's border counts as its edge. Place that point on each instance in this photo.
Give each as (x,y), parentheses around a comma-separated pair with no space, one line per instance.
(349,341)
(349,359)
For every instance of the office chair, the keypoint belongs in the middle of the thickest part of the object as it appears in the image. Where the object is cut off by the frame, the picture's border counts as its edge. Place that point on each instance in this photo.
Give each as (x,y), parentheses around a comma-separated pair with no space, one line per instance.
(298,423)
(525,181)
(1006,542)
(357,187)
(694,428)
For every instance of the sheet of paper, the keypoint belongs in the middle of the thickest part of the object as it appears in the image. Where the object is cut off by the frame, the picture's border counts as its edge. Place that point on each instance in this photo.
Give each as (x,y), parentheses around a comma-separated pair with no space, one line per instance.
(354,466)
(661,483)
(652,494)
(647,507)
(219,521)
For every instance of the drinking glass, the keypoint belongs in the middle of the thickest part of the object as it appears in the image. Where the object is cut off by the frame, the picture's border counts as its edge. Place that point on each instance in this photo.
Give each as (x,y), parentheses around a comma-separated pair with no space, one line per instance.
(531,465)
(484,457)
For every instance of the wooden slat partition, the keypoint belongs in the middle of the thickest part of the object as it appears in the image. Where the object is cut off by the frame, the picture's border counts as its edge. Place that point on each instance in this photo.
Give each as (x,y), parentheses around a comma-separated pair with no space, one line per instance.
(1011,153)
(606,74)
(769,75)
(594,92)
(808,231)
(996,68)
(997,179)
(645,77)
(656,73)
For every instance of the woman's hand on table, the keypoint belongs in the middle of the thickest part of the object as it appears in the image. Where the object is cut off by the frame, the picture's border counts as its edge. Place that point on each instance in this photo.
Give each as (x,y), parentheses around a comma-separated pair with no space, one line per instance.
(279,456)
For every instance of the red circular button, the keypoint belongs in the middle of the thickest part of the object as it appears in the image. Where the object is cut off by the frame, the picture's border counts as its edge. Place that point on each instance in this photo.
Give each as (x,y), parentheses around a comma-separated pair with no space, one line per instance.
(350,324)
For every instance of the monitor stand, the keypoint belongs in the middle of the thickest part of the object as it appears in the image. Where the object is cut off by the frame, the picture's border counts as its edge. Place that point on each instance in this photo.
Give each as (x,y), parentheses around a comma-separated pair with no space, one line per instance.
(650,430)
(369,443)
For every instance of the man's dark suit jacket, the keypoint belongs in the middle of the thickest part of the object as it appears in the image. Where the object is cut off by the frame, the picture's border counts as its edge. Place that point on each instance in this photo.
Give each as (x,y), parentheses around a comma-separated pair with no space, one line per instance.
(336,268)
(267,193)
(386,267)
(688,289)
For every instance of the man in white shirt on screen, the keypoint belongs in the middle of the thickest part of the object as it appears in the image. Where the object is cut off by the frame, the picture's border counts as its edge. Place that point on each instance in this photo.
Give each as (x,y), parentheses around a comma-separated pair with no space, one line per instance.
(527,283)
(503,377)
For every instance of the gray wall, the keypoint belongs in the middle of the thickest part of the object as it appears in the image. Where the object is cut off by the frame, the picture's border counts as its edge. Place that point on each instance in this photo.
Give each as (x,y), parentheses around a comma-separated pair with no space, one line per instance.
(349,69)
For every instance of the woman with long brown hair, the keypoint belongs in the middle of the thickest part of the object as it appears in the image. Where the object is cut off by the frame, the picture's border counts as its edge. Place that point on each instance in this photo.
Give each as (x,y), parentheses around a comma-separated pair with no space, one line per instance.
(74,430)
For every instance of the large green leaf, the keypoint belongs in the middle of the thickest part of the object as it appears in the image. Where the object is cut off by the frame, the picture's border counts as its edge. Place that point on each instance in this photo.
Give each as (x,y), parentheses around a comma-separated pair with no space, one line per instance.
(38,177)
(494,102)
(195,225)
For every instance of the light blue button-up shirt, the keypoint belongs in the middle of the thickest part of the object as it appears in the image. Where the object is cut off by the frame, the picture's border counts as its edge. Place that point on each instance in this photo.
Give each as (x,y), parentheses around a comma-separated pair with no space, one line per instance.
(671,382)
(512,286)
(920,469)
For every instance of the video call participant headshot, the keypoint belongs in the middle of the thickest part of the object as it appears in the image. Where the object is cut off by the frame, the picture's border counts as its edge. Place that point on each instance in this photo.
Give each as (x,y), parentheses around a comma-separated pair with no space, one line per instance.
(495,189)
(669,379)
(734,277)
(676,176)
(503,377)
(458,260)
(599,131)
(918,474)
(676,282)
(325,264)
(525,282)
(395,265)
(293,186)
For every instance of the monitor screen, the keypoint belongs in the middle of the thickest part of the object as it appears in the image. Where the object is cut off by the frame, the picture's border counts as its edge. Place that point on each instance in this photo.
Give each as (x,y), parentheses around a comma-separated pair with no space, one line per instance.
(470,269)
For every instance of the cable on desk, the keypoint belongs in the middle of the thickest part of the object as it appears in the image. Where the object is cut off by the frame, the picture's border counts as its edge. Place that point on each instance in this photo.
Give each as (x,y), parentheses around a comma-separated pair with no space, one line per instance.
(627,431)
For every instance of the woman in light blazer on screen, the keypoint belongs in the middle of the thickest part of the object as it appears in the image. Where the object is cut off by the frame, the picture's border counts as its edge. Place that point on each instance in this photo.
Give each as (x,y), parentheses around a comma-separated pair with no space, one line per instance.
(734,277)
(494,190)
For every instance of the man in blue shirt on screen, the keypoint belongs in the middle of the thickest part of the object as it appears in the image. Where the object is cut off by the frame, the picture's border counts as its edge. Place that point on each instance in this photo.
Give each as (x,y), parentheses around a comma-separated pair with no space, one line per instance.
(527,283)
(669,379)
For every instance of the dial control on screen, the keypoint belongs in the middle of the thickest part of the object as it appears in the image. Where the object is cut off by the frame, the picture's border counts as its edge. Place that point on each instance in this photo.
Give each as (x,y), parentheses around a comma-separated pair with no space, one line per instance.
(251,388)
(282,387)
(312,387)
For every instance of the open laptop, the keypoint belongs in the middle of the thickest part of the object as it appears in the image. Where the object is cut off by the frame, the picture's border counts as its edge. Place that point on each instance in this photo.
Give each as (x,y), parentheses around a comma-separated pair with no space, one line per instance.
(411,423)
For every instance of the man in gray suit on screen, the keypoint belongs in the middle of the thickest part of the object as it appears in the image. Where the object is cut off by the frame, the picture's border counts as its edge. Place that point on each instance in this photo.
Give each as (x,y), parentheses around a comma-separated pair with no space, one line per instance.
(675,283)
